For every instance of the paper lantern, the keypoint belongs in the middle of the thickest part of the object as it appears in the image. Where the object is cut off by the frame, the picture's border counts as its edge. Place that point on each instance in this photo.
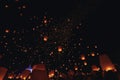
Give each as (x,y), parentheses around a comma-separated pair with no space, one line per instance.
(51,74)
(105,63)
(76,68)
(95,68)
(82,57)
(93,54)
(85,63)
(45,38)
(39,72)
(7,30)
(3,72)
(25,74)
(59,48)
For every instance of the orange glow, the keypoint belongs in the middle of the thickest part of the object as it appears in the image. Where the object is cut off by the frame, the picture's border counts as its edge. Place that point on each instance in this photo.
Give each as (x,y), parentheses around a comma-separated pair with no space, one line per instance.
(6,6)
(10,77)
(51,74)
(7,30)
(45,38)
(109,68)
(24,6)
(76,68)
(59,49)
(45,21)
(29,77)
(82,57)
(92,54)
(85,63)
(95,68)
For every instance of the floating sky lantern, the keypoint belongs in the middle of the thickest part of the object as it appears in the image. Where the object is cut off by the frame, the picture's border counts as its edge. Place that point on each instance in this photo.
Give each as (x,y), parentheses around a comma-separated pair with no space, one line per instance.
(106,63)
(82,57)
(93,54)
(39,72)
(45,21)
(76,68)
(45,38)
(85,63)
(95,68)
(3,72)
(60,48)
(7,30)
(51,74)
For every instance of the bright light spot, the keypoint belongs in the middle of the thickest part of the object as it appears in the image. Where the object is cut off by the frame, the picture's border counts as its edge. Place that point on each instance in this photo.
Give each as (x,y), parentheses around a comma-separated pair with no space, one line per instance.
(59,49)
(92,54)
(6,6)
(109,68)
(7,30)
(45,38)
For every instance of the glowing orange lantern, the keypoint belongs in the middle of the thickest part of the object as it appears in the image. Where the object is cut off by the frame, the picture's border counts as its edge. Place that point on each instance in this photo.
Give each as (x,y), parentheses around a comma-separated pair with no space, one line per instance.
(51,74)
(82,57)
(59,49)
(95,68)
(85,63)
(76,68)
(7,30)
(45,21)
(45,38)
(109,68)
(92,54)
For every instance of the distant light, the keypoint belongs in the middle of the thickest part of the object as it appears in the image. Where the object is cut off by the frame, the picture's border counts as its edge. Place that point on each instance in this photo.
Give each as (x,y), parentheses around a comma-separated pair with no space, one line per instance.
(24,6)
(92,54)
(45,21)
(82,57)
(6,6)
(7,30)
(109,68)
(85,63)
(59,49)
(45,38)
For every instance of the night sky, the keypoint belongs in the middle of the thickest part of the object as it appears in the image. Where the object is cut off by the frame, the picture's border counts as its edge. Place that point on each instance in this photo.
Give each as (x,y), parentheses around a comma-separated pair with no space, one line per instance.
(31,31)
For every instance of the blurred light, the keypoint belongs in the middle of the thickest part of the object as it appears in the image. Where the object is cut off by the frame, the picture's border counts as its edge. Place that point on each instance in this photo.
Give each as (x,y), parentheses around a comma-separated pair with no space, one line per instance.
(45,38)
(82,57)
(85,63)
(6,6)
(93,54)
(7,30)
(51,74)
(109,68)
(59,49)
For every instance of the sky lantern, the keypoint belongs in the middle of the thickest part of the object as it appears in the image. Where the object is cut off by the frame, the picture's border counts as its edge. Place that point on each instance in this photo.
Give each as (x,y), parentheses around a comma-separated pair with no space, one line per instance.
(60,48)
(82,57)
(93,54)
(45,21)
(76,68)
(3,72)
(95,68)
(105,63)
(51,74)
(45,38)
(39,72)
(7,30)
(85,63)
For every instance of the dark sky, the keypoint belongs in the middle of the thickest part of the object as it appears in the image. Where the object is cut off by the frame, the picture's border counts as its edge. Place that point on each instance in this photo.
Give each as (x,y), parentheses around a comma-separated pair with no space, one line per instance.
(104,27)
(100,16)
